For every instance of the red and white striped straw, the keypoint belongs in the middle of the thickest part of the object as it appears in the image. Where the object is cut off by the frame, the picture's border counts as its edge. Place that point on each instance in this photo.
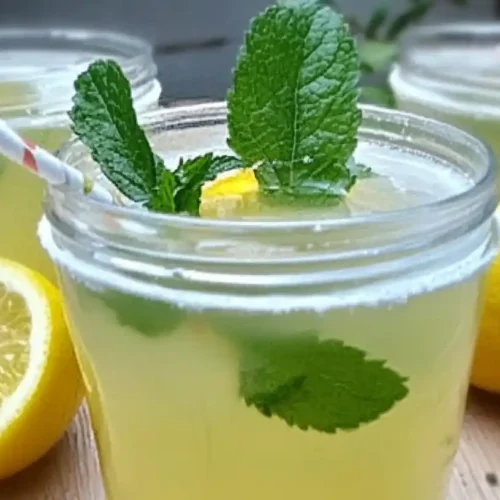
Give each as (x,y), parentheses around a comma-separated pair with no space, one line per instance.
(46,166)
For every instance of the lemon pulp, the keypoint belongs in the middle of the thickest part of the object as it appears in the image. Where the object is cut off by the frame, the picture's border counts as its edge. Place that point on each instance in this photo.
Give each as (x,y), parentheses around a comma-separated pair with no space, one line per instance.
(40,384)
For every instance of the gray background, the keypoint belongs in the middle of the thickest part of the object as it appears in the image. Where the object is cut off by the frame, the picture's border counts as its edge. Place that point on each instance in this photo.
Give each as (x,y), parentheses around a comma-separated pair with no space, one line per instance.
(196,41)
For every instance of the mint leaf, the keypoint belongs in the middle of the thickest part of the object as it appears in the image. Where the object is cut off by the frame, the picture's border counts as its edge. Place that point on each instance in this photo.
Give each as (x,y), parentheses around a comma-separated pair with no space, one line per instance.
(162,196)
(104,119)
(316,384)
(145,316)
(308,193)
(192,174)
(293,104)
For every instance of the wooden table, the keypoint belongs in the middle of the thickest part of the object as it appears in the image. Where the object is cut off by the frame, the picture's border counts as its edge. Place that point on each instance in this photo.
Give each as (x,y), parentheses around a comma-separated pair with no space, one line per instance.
(70,471)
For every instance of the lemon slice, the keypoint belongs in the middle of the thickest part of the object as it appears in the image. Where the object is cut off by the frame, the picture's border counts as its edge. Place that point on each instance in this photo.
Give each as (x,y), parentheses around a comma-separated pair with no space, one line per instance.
(230,194)
(40,384)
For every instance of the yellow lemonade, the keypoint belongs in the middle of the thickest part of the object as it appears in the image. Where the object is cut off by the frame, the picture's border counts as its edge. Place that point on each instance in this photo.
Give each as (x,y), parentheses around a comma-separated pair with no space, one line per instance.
(211,350)
(170,421)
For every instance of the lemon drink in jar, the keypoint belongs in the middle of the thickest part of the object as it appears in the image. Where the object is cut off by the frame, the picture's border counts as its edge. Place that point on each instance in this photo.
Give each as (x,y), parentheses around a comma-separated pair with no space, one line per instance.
(37,70)
(311,335)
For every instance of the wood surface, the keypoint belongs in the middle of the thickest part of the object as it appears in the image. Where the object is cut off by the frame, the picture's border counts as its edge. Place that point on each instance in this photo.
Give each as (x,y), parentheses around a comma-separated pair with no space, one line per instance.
(70,471)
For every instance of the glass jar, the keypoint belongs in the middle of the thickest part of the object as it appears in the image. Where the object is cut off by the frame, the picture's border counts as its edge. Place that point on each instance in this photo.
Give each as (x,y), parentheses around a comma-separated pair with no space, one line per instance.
(451,72)
(37,71)
(253,358)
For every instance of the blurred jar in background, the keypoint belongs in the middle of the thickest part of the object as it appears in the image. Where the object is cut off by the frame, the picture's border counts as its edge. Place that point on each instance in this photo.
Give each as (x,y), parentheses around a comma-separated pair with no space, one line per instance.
(451,72)
(37,71)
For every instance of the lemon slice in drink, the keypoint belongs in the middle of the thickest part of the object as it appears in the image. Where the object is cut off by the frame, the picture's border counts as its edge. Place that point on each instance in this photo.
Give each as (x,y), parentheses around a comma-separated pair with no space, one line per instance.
(230,194)
(40,384)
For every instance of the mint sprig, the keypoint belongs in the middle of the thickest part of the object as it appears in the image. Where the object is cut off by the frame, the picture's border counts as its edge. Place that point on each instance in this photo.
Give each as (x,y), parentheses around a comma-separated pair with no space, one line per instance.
(293,116)
(293,105)
(104,119)
(315,384)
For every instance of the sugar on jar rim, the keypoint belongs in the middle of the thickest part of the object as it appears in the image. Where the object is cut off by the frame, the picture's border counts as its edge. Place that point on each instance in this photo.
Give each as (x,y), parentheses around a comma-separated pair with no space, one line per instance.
(54,82)
(167,251)
(461,91)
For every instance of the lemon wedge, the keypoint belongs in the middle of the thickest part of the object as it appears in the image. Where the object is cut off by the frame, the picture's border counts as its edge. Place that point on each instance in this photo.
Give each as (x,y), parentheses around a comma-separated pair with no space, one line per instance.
(40,384)
(229,194)
(486,367)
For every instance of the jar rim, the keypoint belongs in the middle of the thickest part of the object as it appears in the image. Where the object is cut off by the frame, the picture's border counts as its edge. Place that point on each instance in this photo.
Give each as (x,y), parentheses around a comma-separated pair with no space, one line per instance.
(269,265)
(53,87)
(483,187)
(428,79)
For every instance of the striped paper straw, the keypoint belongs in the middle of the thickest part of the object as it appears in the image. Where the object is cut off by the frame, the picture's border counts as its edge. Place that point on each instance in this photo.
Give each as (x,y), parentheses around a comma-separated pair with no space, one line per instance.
(46,166)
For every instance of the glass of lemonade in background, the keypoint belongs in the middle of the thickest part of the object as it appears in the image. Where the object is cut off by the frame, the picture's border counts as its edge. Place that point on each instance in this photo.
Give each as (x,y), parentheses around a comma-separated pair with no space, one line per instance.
(188,331)
(37,70)
(451,72)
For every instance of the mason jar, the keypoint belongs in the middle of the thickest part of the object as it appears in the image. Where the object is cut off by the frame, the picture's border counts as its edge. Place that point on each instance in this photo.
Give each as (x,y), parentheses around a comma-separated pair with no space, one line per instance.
(282,357)
(37,71)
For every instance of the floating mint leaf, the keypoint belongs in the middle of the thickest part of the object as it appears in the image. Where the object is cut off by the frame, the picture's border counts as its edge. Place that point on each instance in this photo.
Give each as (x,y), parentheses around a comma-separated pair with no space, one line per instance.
(104,119)
(316,384)
(144,316)
(192,174)
(293,104)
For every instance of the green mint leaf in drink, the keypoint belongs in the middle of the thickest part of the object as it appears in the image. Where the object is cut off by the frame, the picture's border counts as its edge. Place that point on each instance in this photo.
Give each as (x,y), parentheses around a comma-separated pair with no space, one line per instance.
(192,174)
(146,317)
(104,119)
(293,106)
(316,384)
